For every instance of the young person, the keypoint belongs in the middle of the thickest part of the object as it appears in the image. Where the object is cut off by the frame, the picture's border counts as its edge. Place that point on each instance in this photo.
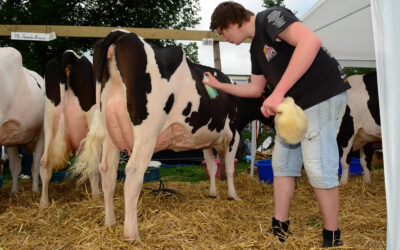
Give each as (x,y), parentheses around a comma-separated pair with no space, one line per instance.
(288,55)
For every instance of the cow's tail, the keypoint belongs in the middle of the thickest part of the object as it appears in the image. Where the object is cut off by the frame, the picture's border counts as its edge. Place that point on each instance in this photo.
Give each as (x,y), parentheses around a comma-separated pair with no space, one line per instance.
(68,58)
(89,157)
(90,154)
(110,39)
(58,153)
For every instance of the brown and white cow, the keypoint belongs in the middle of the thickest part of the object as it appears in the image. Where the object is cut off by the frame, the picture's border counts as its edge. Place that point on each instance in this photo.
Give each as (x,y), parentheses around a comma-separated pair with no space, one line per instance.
(21,113)
(360,124)
(153,99)
(70,91)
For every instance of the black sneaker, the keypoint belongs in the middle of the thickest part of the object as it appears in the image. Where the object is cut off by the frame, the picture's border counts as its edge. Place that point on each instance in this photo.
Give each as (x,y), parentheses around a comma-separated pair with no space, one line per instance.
(331,238)
(280,229)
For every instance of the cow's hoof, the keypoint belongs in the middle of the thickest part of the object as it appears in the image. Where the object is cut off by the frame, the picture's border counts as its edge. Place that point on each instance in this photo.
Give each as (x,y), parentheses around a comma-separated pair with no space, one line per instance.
(96,196)
(131,239)
(212,196)
(367,177)
(234,198)
(110,222)
(44,204)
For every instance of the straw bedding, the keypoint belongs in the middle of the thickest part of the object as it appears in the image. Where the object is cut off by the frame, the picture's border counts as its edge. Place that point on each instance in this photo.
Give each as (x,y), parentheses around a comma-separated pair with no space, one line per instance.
(189,219)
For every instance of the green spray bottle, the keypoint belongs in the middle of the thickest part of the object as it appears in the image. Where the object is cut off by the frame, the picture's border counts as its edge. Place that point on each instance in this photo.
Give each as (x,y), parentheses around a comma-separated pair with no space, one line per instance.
(212,92)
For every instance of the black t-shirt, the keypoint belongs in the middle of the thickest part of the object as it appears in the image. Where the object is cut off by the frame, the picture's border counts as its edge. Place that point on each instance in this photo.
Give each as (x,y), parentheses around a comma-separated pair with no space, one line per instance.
(323,80)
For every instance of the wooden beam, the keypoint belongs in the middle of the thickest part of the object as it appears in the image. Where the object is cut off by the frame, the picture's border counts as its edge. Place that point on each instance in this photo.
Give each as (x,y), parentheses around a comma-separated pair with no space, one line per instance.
(99,32)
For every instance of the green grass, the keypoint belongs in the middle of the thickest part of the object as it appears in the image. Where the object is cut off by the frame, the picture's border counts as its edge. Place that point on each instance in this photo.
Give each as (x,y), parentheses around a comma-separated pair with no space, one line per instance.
(193,173)
(189,173)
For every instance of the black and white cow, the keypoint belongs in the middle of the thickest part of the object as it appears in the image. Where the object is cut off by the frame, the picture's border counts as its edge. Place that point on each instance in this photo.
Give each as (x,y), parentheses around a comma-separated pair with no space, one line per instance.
(21,113)
(153,99)
(361,123)
(70,91)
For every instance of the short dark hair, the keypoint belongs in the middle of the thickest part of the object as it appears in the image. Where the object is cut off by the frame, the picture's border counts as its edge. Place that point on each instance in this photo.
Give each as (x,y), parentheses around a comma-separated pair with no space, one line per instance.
(227,13)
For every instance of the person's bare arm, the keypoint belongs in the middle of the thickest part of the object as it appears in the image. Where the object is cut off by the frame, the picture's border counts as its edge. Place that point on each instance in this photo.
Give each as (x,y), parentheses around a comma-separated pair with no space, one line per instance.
(252,89)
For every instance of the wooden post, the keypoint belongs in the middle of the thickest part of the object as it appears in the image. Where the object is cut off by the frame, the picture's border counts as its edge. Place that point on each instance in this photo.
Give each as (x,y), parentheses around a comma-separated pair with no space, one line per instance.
(217,55)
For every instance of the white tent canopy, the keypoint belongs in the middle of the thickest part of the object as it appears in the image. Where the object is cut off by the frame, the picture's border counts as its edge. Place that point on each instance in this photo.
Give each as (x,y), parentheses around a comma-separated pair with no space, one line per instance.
(345,28)
(348,31)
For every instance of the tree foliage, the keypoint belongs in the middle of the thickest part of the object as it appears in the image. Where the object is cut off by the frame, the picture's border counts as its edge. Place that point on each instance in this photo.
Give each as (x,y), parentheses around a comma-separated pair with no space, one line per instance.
(273,3)
(172,14)
(349,71)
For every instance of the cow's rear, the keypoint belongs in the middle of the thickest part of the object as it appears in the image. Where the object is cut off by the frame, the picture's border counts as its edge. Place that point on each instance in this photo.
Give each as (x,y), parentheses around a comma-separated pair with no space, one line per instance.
(21,112)
(70,103)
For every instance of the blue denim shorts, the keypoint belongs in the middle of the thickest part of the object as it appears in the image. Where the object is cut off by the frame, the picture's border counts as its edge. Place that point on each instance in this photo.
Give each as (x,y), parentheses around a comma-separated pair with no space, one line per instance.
(318,151)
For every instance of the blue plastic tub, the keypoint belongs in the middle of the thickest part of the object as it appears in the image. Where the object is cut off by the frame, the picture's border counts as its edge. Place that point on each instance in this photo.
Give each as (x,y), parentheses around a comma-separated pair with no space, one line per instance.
(265,172)
(151,174)
(355,168)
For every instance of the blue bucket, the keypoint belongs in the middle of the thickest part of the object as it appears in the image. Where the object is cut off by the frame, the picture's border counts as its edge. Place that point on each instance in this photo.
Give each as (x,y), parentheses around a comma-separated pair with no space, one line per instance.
(355,168)
(152,172)
(60,176)
(265,172)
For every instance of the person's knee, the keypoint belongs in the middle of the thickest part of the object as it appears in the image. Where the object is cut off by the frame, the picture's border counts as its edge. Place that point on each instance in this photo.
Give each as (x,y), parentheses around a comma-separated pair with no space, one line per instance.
(323,183)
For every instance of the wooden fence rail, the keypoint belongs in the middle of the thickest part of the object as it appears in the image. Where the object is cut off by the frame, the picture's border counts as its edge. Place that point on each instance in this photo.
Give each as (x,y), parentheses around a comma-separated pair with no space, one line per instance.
(98,32)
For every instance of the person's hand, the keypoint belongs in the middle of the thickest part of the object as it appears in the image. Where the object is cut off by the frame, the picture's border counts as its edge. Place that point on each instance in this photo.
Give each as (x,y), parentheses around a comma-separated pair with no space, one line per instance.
(270,105)
(212,81)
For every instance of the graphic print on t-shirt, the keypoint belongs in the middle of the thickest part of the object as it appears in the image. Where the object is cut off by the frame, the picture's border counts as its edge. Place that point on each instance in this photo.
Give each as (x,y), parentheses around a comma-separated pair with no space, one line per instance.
(276,19)
(269,52)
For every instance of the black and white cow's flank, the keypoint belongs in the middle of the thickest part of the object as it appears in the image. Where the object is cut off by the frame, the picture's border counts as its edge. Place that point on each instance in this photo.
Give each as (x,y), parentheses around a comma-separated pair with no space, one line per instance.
(360,124)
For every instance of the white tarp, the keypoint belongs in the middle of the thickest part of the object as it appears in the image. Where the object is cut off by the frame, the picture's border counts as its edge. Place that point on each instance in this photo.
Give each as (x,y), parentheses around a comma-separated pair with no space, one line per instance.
(345,29)
(386,20)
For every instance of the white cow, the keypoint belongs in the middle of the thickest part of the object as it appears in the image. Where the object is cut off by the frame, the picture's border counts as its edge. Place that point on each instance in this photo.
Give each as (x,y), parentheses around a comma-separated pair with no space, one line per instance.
(22,99)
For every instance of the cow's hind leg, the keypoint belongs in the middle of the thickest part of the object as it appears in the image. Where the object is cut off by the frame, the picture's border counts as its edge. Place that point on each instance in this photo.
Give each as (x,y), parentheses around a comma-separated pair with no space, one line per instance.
(45,176)
(136,167)
(15,166)
(94,182)
(108,169)
(37,154)
(212,170)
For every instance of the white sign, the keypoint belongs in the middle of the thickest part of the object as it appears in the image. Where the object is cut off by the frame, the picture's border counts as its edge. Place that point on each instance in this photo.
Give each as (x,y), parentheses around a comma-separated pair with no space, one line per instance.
(45,37)
(208,41)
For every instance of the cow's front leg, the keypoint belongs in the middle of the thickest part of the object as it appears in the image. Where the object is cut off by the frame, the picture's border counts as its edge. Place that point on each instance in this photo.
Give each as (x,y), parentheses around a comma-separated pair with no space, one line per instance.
(108,169)
(364,165)
(343,161)
(212,170)
(345,172)
(14,165)
(229,158)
